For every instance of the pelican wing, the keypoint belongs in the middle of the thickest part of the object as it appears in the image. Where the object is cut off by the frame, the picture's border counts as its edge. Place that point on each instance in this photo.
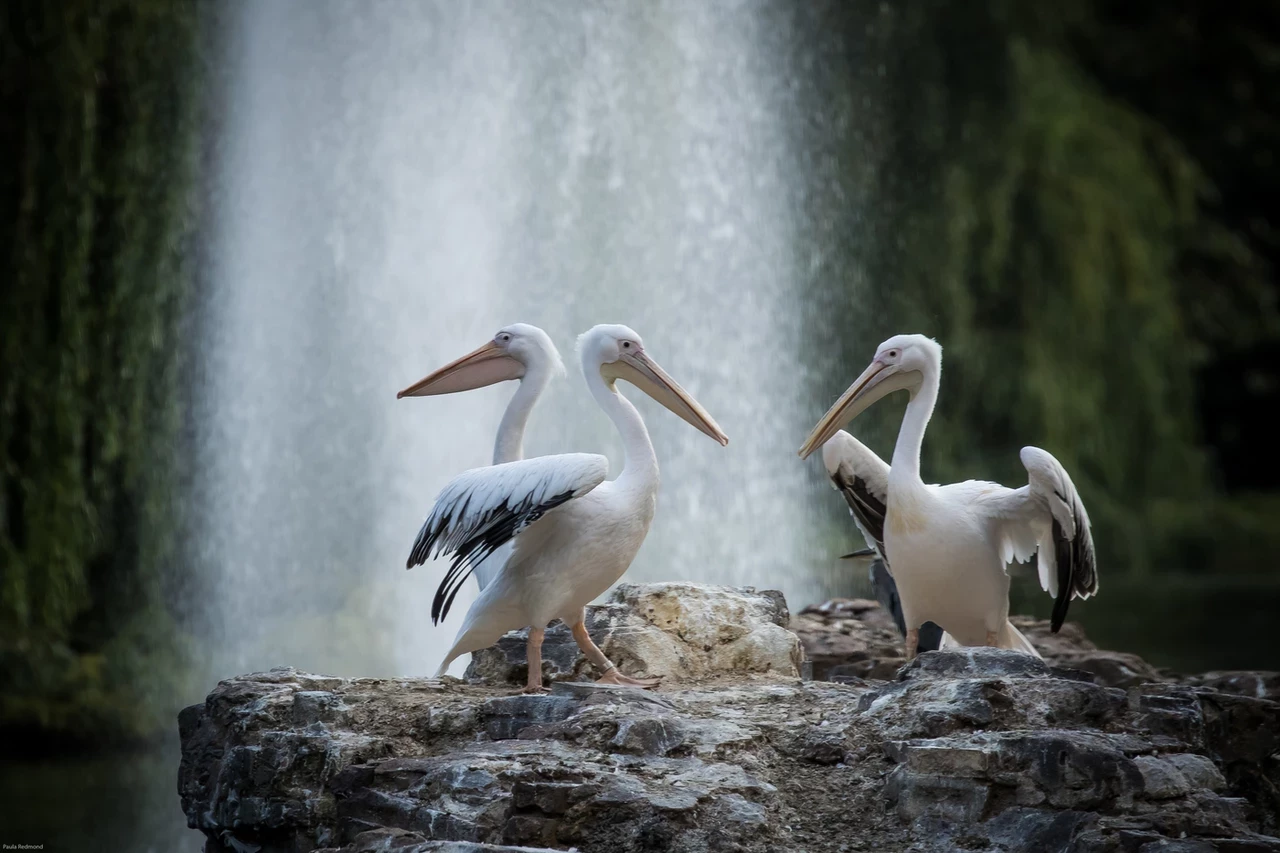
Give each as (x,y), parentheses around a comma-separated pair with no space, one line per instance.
(481,510)
(863,479)
(1047,516)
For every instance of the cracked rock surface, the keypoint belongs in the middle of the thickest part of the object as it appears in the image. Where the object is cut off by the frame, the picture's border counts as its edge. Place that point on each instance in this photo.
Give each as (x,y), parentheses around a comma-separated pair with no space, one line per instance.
(974,749)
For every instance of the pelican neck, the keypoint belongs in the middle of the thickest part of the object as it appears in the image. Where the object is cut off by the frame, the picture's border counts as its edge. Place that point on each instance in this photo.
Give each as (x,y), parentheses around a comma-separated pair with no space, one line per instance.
(906,452)
(509,444)
(640,462)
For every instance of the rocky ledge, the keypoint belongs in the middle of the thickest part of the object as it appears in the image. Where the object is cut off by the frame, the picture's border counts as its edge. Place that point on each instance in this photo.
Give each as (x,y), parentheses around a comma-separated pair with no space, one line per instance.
(967,750)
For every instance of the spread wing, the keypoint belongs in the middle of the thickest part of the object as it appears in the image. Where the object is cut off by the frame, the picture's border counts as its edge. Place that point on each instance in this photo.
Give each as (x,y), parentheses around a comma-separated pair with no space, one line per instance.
(1047,516)
(863,479)
(481,510)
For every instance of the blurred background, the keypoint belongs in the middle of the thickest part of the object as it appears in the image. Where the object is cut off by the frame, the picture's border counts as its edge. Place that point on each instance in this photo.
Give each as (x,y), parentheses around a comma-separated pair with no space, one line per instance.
(230,232)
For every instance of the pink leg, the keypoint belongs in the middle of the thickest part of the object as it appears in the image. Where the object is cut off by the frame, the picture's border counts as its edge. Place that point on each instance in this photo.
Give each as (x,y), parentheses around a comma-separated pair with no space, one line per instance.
(913,642)
(602,663)
(993,639)
(534,654)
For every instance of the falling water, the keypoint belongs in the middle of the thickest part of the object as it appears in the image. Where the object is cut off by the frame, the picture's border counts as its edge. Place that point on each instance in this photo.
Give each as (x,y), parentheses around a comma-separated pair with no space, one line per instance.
(395,181)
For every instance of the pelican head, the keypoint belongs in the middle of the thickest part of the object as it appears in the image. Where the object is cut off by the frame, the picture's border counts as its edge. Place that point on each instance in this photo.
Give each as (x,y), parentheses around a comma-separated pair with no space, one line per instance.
(901,364)
(618,353)
(515,351)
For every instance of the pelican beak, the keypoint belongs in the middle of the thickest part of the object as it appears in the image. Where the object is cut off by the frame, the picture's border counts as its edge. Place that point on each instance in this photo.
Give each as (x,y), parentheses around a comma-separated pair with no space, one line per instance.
(644,373)
(878,380)
(484,366)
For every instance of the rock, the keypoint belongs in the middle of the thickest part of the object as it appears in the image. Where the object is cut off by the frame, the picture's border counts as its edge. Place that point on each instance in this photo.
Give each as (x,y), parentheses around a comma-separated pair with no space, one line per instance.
(856,637)
(972,689)
(649,736)
(593,692)
(1071,649)
(1257,685)
(1070,639)
(972,661)
(1161,779)
(847,637)
(400,841)
(944,798)
(1168,711)
(1198,770)
(1020,828)
(507,716)
(1114,669)
(985,727)
(1243,734)
(974,749)
(506,661)
(675,631)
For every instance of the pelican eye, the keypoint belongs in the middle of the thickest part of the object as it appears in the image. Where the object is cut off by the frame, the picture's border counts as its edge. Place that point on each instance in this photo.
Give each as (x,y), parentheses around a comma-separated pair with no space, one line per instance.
(505,338)
(626,344)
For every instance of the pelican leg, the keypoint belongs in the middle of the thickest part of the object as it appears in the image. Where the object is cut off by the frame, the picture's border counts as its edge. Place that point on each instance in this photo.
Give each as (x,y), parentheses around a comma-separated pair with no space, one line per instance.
(611,675)
(534,654)
(993,639)
(913,642)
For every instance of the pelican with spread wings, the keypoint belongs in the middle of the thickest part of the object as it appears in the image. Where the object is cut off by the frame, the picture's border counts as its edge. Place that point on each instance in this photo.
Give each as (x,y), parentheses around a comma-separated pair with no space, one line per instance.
(947,547)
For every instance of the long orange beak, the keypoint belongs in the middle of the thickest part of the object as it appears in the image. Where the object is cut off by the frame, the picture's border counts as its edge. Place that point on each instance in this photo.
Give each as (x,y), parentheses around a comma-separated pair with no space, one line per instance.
(644,373)
(485,366)
(865,390)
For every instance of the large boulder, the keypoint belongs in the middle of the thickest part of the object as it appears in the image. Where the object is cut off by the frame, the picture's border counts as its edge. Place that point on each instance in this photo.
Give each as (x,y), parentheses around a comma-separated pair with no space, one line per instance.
(676,631)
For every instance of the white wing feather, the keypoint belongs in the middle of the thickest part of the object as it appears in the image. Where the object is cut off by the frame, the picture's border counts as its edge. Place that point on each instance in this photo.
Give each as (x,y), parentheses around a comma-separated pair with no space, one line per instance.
(1048,516)
(483,509)
(862,478)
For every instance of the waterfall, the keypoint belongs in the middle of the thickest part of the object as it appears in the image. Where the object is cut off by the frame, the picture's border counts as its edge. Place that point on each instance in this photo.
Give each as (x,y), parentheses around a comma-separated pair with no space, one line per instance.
(392,182)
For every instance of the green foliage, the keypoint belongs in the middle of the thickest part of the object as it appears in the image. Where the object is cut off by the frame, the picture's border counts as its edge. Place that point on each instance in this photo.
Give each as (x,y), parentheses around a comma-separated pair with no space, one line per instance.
(94,207)
(1040,228)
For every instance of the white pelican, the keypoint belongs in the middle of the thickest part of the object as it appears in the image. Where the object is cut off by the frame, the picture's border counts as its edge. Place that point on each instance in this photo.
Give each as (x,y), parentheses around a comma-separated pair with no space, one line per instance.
(573,534)
(518,351)
(947,546)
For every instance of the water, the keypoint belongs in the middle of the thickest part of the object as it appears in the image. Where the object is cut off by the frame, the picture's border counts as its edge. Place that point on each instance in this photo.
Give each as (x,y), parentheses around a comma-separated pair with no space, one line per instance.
(126,802)
(1184,623)
(394,182)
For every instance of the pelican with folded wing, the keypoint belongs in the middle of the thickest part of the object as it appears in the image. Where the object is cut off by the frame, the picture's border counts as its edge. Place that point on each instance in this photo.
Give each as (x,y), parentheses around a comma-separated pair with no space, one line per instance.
(572,533)
(519,351)
(947,547)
